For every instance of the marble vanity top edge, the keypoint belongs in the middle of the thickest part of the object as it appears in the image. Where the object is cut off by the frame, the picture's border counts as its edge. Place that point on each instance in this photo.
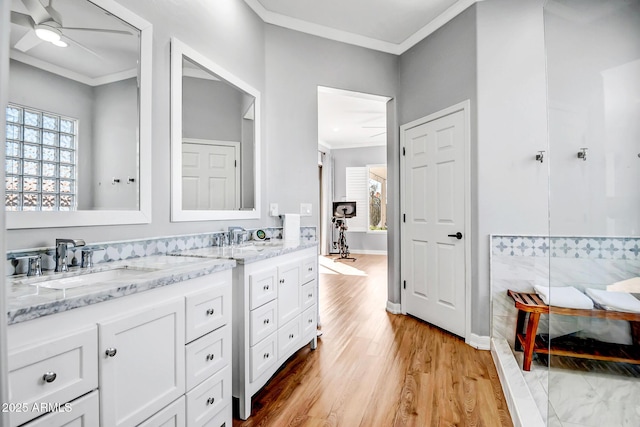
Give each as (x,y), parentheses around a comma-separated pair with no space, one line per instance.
(245,258)
(23,307)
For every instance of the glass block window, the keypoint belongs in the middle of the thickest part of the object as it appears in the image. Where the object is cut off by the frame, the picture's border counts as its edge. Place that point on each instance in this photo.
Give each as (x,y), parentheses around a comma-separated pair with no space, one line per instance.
(40,165)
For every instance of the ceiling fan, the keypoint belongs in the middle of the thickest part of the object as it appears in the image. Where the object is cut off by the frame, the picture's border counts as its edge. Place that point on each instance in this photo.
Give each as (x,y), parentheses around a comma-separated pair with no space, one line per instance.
(46,23)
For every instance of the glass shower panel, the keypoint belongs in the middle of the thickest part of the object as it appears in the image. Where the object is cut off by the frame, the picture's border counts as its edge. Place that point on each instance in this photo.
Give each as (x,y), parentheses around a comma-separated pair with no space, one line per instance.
(593,70)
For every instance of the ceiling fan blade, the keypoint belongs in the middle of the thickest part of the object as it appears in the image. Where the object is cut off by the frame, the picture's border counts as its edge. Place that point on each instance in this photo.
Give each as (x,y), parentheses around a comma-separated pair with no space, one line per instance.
(38,12)
(22,19)
(98,30)
(80,45)
(28,41)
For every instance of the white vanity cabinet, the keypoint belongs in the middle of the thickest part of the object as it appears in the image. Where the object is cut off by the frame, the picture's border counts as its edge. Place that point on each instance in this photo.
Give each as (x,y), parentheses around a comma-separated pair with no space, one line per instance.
(274,315)
(161,357)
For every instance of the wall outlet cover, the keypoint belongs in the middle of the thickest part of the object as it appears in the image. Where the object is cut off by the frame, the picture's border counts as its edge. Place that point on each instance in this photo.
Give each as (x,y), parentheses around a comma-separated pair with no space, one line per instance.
(305,209)
(273,209)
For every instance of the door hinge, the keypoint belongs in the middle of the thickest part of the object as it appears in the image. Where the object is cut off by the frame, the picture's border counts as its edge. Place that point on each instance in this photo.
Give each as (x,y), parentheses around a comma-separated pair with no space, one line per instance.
(404,153)
(404,217)
(404,284)
(235,163)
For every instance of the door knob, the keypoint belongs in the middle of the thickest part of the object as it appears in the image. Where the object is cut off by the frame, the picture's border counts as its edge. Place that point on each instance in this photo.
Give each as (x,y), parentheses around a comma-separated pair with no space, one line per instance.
(458,235)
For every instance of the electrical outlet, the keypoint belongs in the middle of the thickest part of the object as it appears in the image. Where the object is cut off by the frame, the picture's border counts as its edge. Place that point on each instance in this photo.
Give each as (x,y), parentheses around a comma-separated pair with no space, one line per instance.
(273,209)
(305,209)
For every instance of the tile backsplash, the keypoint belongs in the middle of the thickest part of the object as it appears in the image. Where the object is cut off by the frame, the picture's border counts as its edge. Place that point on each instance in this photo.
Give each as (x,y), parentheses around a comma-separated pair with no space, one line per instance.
(121,250)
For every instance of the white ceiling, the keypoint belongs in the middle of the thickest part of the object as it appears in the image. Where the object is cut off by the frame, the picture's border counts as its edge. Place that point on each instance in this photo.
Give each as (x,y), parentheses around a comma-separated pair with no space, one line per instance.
(391,26)
(350,119)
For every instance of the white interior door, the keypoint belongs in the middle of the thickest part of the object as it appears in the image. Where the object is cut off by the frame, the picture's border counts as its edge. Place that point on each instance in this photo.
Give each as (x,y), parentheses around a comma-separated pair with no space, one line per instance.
(210,176)
(433,231)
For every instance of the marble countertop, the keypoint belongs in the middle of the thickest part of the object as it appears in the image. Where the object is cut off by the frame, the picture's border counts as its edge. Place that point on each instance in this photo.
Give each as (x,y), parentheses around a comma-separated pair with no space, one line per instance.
(249,252)
(29,297)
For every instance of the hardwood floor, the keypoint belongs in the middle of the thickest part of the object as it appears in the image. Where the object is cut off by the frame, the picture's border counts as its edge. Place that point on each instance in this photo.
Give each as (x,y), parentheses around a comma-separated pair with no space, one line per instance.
(373,368)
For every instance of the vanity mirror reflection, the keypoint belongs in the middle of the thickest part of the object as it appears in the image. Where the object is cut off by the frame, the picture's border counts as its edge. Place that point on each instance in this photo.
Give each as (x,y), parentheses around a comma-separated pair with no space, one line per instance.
(78,120)
(215,140)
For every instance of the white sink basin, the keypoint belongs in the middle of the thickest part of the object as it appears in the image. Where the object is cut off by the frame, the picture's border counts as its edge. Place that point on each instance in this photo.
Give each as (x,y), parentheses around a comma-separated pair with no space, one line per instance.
(91,278)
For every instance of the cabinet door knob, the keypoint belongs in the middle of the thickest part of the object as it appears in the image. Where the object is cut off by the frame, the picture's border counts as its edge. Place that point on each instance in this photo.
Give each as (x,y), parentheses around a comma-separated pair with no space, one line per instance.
(266,287)
(310,269)
(281,280)
(210,356)
(110,352)
(290,336)
(310,320)
(310,295)
(49,377)
(211,400)
(210,312)
(265,356)
(266,321)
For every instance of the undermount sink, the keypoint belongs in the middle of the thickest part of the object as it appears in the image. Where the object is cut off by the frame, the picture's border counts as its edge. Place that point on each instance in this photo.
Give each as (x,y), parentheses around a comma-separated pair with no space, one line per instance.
(91,278)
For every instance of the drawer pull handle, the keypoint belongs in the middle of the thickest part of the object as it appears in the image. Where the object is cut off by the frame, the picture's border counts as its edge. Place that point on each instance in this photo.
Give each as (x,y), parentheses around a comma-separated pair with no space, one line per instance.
(49,377)
(265,356)
(281,280)
(310,268)
(266,287)
(211,400)
(210,312)
(290,336)
(110,352)
(310,320)
(266,321)
(310,295)
(210,356)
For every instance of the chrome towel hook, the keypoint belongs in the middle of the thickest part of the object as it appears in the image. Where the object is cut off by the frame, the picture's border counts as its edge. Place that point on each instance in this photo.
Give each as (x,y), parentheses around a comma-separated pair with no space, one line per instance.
(582,154)
(540,156)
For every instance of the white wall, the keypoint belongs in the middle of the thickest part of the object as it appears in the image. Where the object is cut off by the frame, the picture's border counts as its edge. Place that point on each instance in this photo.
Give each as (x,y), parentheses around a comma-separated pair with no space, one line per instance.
(512,187)
(359,157)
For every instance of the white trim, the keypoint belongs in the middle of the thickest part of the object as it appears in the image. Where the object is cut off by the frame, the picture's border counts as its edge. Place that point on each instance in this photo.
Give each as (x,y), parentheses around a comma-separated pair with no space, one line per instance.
(18,220)
(522,406)
(464,106)
(356,39)
(480,342)
(394,307)
(346,145)
(178,50)
(368,252)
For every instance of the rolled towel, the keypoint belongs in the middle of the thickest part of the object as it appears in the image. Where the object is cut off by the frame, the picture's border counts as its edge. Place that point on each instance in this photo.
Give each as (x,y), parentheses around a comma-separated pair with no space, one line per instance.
(629,285)
(563,296)
(617,301)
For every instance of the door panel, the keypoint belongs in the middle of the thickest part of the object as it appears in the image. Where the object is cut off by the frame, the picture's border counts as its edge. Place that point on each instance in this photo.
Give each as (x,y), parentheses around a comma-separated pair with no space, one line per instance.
(433,193)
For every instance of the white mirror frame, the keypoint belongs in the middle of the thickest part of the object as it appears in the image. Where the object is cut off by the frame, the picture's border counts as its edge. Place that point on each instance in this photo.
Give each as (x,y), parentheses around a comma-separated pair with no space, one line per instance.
(178,51)
(26,219)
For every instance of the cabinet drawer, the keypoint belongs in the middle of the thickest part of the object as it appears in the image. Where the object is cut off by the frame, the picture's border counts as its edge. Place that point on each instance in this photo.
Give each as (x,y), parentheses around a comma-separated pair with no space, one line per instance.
(207,355)
(289,337)
(206,400)
(262,287)
(208,310)
(263,356)
(171,416)
(309,322)
(82,412)
(70,364)
(309,269)
(309,295)
(263,322)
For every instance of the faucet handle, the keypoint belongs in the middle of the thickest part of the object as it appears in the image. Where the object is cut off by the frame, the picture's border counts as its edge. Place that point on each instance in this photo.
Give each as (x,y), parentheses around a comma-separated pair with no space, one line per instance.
(34,265)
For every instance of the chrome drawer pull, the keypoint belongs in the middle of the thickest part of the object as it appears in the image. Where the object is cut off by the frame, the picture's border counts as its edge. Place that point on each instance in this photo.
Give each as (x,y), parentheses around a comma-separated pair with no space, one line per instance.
(210,400)
(281,280)
(49,377)
(265,356)
(310,268)
(266,321)
(210,312)
(110,352)
(310,295)
(210,356)
(266,287)
(310,320)
(290,336)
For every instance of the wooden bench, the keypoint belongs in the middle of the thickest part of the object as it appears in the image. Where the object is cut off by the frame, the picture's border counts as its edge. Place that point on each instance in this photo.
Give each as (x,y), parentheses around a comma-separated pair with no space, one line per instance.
(527,339)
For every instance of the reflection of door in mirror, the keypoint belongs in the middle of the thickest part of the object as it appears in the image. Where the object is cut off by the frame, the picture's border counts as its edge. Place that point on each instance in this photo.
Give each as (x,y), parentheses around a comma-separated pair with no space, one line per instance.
(210,176)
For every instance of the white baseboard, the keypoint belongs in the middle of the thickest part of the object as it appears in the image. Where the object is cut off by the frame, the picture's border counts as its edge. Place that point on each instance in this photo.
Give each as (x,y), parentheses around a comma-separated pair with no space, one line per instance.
(394,307)
(367,252)
(480,342)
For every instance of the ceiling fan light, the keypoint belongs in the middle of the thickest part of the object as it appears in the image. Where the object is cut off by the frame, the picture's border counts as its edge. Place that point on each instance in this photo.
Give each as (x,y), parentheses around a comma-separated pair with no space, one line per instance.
(60,43)
(47,35)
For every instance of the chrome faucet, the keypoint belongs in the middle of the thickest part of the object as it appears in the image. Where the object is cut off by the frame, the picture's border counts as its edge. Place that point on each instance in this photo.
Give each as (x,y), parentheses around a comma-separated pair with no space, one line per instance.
(237,235)
(61,252)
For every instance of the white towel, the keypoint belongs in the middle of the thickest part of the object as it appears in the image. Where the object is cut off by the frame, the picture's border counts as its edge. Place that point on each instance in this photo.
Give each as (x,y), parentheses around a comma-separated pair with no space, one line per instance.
(618,301)
(563,296)
(629,285)
(291,228)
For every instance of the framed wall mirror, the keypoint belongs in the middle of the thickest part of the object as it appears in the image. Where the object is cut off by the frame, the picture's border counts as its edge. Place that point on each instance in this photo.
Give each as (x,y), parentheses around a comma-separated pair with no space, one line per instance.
(79,115)
(215,140)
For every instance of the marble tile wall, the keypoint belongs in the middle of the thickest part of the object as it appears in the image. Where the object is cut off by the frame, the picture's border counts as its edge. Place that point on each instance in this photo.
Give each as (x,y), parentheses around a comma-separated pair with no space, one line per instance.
(121,250)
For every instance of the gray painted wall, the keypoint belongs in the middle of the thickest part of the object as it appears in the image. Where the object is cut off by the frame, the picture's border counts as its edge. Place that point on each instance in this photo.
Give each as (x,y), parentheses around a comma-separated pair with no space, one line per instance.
(350,157)
(437,73)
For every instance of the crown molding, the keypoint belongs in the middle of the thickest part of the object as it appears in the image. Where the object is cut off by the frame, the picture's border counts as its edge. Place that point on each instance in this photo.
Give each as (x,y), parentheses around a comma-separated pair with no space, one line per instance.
(356,39)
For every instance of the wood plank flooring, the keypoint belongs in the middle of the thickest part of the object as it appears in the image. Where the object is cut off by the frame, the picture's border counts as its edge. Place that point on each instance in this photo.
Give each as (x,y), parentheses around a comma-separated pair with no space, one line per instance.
(373,368)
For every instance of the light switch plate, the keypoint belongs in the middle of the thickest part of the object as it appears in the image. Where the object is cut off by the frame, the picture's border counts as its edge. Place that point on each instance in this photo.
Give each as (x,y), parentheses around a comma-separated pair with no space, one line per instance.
(305,209)
(273,209)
